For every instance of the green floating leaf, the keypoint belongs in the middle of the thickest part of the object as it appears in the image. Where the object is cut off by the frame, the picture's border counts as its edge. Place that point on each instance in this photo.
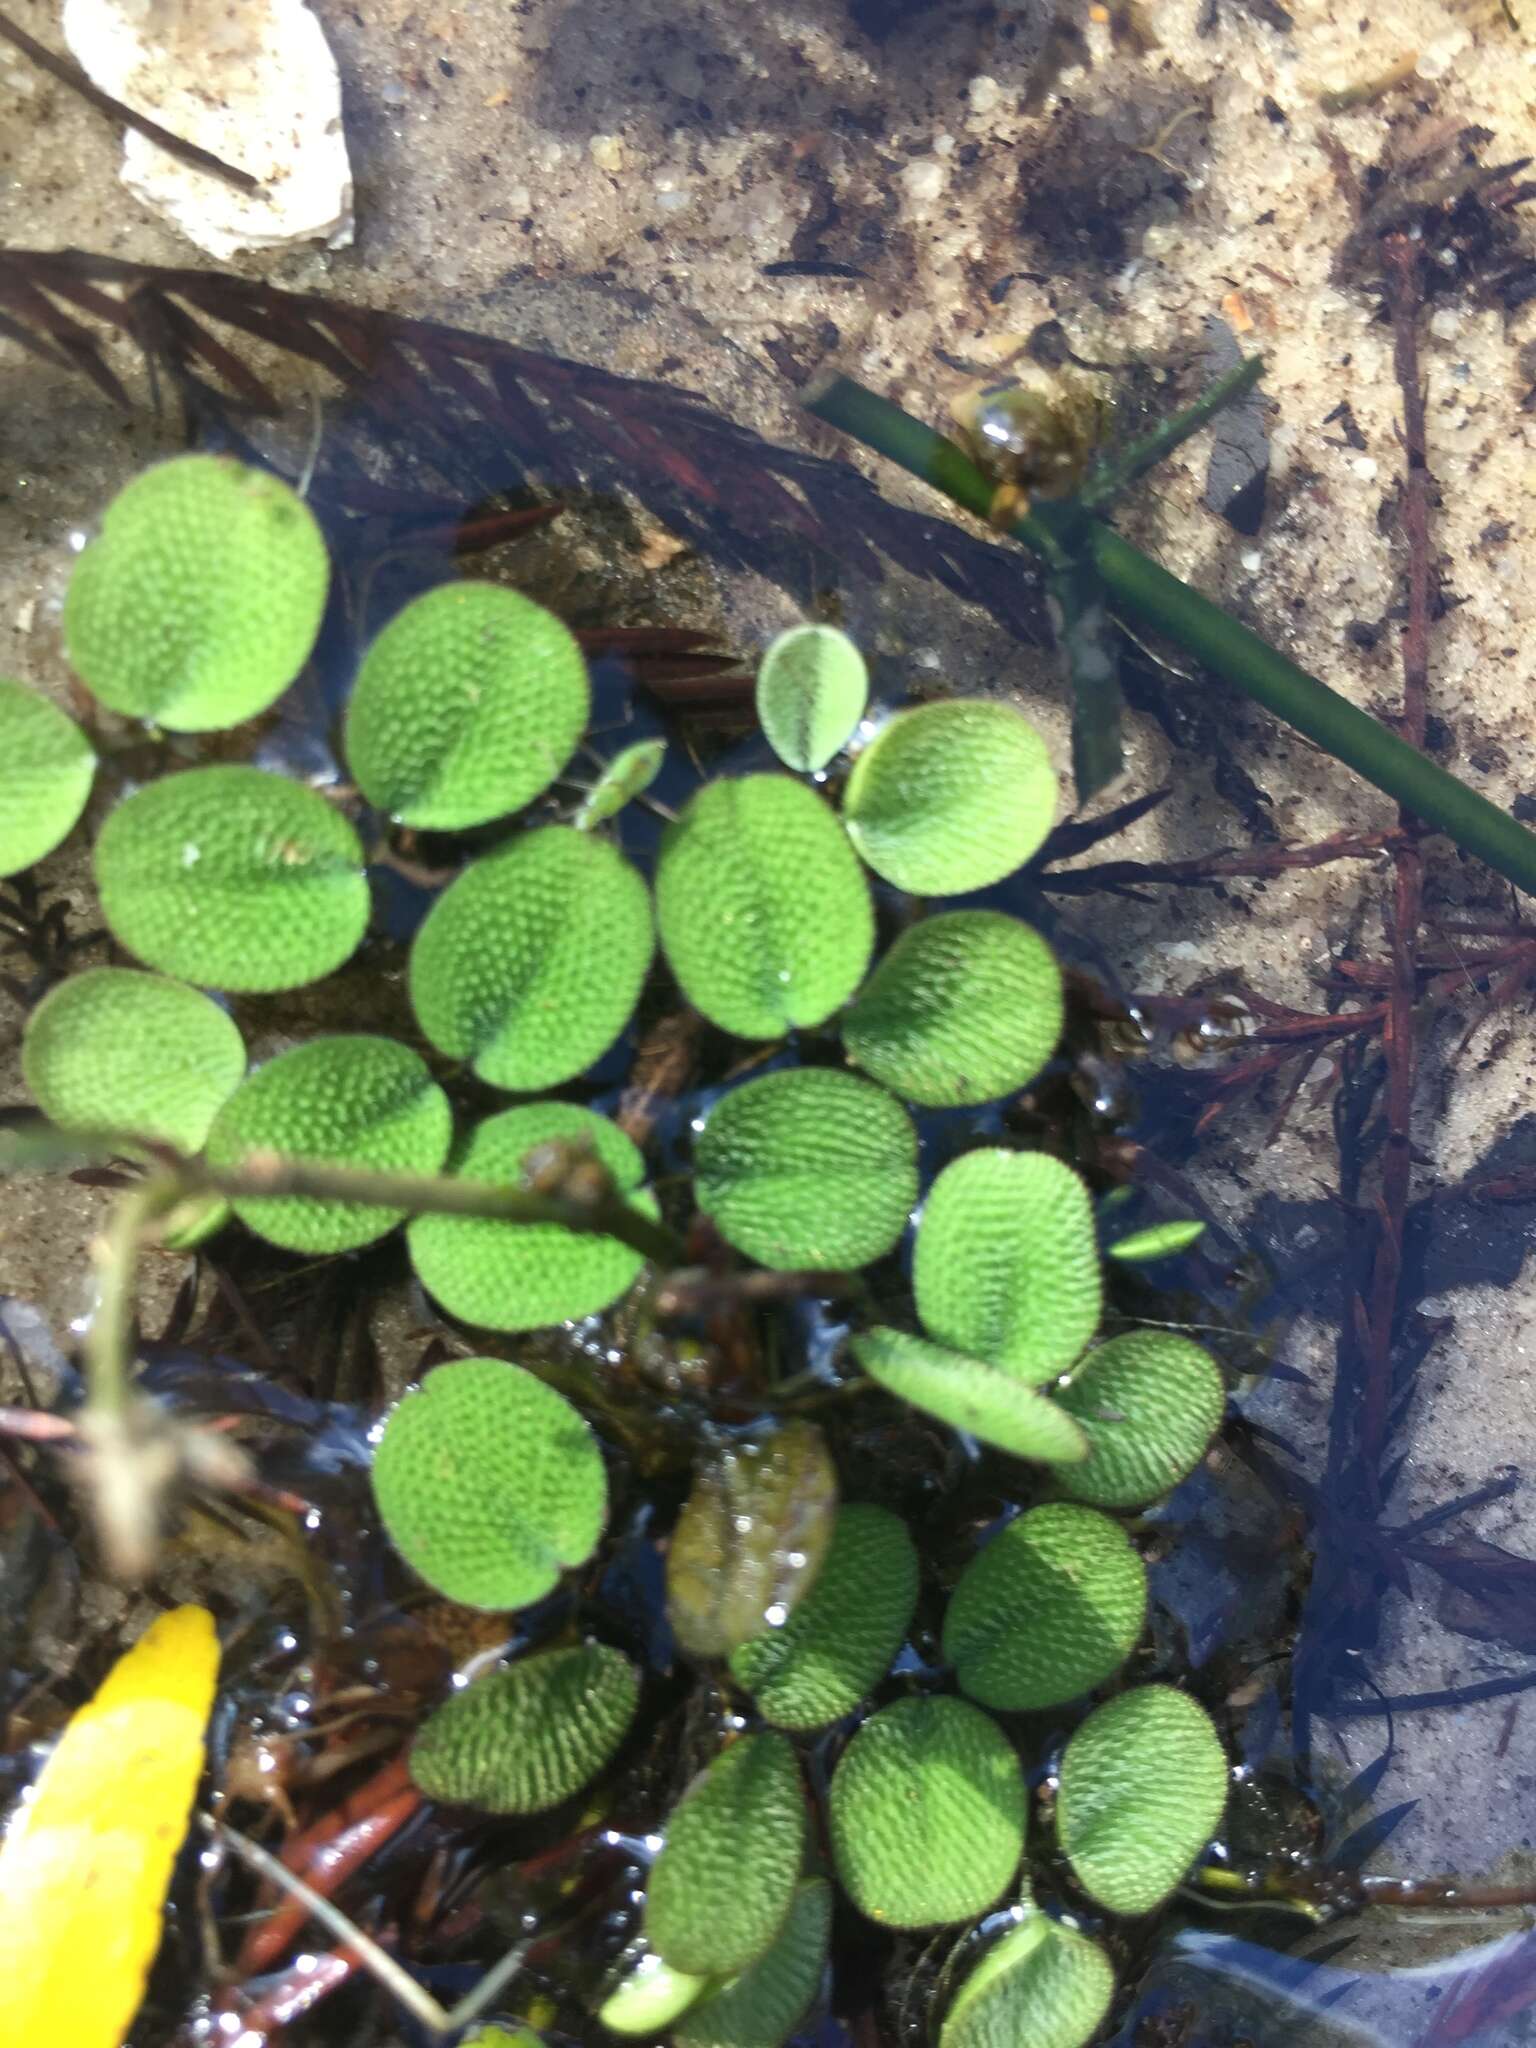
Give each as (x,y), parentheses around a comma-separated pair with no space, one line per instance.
(763,908)
(751,1538)
(200,600)
(1007,1262)
(466,707)
(489,1483)
(812,687)
(649,1996)
(965,1007)
(837,1645)
(528,1276)
(632,770)
(1158,1241)
(1042,1984)
(530,962)
(49,764)
(1143,1788)
(763,2006)
(950,797)
(1047,1610)
(724,1883)
(233,879)
(1148,1403)
(969,1394)
(351,1100)
(808,1168)
(523,1739)
(927,1813)
(113,1049)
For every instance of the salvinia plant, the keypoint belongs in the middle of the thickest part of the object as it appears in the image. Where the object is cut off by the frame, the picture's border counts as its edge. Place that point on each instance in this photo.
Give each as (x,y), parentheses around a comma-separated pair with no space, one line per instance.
(932,1737)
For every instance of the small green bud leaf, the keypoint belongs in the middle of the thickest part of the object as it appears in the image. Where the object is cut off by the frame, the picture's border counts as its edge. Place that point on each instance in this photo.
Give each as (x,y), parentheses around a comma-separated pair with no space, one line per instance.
(808,1168)
(49,764)
(950,797)
(489,1483)
(467,705)
(764,911)
(812,687)
(927,1813)
(1047,1610)
(838,1643)
(724,1883)
(1042,1983)
(523,1739)
(649,1996)
(528,1276)
(1148,1403)
(233,879)
(763,2006)
(964,1008)
(200,600)
(1143,1787)
(351,1100)
(1158,1240)
(631,771)
(969,1394)
(530,962)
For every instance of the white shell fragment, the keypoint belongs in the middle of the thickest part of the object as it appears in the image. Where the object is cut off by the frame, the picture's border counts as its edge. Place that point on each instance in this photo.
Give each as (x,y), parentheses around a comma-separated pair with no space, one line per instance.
(256,84)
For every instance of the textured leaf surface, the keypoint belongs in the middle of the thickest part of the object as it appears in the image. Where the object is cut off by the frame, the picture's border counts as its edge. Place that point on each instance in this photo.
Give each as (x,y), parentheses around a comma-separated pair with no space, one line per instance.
(649,1996)
(838,1643)
(49,764)
(526,1276)
(810,1167)
(763,908)
(965,1007)
(927,1813)
(1148,1403)
(200,600)
(762,2007)
(969,1394)
(523,1739)
(724,1882)
(87,1861)
(350,1100)
(467,705)
(951,796)
(489,1483)
(1143,1788)
(1047,1610)
(529,964)
(233,879)
(113,1049)
(1042,1984)
(812,687)
(752,1537)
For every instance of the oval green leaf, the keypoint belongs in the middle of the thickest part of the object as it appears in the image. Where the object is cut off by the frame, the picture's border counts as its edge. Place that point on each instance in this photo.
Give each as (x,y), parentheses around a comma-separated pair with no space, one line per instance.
(764,912)
(926,1813)
(649,1995)
(1149,1404)
(812,686)
(965,1007)
(527,1276)
(631,771)
(751,1539)
(116,1050)
(467,706)
(489,1483)
(1048,1610)
(49,764)
(969,1394)
(351,1100)
(1007,1262)
(1041,1983)
(524,1739)
(808,1168)
(951,796)
(200,600)
(1143,1788)
(530,962)
(836,1646)
(233,879)
(1158,1240)
(763,2006)
(723,1885)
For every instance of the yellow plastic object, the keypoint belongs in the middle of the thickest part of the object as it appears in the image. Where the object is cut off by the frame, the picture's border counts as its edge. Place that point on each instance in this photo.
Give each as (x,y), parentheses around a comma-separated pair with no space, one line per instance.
(85,1867)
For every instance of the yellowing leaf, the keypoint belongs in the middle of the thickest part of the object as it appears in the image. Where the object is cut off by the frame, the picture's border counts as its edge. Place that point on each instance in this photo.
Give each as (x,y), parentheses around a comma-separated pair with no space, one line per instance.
(86,1865)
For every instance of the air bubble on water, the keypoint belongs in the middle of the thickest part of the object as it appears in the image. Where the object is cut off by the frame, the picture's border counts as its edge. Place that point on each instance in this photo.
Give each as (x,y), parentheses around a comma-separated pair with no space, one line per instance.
(742,1524)
(776,1615)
